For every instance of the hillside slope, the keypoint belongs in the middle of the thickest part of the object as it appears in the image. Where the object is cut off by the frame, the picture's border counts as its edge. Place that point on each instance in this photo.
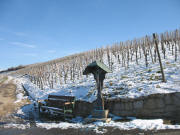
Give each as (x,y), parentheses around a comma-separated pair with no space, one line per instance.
(135,67)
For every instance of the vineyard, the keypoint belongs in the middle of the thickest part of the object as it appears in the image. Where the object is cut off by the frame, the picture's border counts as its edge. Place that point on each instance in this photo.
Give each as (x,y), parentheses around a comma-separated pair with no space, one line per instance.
(119,57)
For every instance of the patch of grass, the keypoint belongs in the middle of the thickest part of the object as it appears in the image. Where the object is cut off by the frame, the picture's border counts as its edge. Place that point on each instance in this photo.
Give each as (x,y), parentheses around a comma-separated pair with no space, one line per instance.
(140,89)
(171,72)
(8,97)
(3,79)
(159,71)
(158,86)
(9,107)
(167,63)
(124,77)
(154,77)
(142,79)
(157,78)
(22,103)
(169,122)
(149,70)
(120,88)
(151,77)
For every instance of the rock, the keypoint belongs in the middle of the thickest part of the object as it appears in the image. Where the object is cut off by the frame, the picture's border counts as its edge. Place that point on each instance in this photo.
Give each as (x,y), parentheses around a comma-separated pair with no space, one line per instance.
(138,105)
(159,103)
(154,103)
(128,106)
(149,104)
(167,99)
(119,106)
(176,100)
(126,113)
(153,106)
(177,95)
(169,108)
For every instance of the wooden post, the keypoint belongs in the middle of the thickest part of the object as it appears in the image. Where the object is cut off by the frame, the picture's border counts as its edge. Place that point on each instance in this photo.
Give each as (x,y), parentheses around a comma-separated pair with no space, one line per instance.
(99,81)
(159,57)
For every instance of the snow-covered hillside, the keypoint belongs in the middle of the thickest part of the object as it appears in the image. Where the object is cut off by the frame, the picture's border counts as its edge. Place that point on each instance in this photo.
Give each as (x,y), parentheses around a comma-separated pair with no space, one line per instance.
(134,81)
(134,64)
(135,72)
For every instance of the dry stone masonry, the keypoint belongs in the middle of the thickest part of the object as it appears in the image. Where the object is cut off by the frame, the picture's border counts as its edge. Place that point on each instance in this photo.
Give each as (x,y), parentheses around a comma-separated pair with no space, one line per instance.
(166,105)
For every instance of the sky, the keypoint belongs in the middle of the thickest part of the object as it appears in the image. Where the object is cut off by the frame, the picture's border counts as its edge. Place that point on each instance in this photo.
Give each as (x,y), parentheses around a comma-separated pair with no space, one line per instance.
(34,31)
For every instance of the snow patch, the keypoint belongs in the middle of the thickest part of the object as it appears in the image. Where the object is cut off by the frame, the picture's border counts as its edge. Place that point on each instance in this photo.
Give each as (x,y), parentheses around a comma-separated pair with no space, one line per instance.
(19,126)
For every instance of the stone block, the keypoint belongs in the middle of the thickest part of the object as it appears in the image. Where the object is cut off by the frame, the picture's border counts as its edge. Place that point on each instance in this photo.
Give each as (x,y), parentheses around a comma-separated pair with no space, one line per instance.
(146,112)
(126,113)
(154,103)
(128,106)
(170,114)
(176,100)
(119,106)
(116,107)
(169,108)
(115,112)
(168,99)
(159,103)
(138,105)
(158,110)
(100,113)
(149,104)
(177,94)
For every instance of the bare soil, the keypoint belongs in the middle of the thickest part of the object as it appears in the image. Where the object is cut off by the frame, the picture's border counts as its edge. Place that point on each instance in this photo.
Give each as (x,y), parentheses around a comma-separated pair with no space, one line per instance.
(8,98)
(57,131)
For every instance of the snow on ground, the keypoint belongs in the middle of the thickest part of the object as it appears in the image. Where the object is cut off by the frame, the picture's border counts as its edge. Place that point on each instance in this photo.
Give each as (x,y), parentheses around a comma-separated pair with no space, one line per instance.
(80,91)
(19,126)
(19,91)
(132,82)
(9,78)
(100,127)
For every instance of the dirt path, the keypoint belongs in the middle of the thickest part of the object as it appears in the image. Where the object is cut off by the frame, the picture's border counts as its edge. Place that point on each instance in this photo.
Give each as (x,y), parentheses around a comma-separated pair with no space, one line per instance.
(7,97)
(56,131)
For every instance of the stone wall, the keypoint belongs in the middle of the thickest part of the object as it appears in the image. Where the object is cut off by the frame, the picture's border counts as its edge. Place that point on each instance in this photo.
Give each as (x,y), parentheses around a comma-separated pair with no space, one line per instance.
(83,108)
(153,106)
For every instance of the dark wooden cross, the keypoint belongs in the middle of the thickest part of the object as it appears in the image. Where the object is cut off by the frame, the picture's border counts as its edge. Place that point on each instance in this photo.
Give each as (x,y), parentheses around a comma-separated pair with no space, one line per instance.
(99,70)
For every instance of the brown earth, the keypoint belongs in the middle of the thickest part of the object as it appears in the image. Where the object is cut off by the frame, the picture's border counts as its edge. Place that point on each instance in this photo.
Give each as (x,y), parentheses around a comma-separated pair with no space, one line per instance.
(110,131)
(8,97)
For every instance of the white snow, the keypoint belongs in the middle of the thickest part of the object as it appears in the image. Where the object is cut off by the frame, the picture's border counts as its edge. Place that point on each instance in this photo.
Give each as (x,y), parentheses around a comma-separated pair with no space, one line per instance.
(132,82)
(19,126)
(100,127)
(79,91)
(19,90)
(62,125)
(154,124)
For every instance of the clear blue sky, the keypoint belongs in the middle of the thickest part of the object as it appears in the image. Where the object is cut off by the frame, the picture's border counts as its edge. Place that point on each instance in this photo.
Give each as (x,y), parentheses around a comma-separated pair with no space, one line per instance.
(39,30)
